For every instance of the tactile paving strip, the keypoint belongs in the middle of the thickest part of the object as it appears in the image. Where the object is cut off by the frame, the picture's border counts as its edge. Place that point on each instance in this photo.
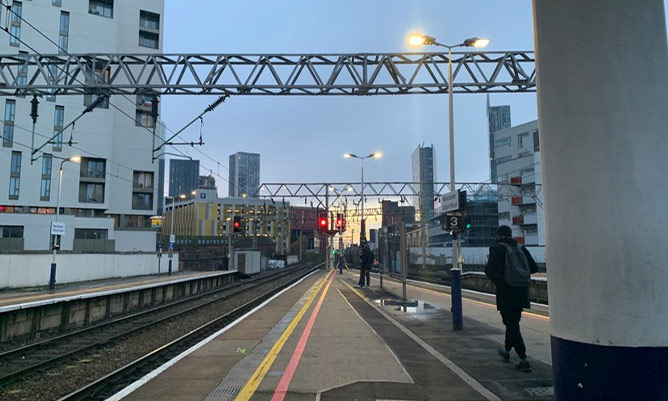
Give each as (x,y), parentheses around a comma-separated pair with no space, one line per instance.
(540,391)
(244,369)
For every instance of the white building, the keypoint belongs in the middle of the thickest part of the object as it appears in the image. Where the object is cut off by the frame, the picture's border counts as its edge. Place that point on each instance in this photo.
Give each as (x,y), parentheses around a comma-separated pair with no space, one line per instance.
(106,200)
(517,160)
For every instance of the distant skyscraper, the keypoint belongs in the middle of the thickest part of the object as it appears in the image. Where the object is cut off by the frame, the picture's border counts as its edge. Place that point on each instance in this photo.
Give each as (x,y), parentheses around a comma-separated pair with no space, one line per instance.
(183,176)
(424,172)
(207,182)
(498,118)
(244,174)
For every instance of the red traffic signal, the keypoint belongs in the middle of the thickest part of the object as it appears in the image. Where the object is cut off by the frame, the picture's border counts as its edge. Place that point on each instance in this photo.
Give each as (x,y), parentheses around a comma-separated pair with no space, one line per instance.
(323,221)
(340,222)
(236,225)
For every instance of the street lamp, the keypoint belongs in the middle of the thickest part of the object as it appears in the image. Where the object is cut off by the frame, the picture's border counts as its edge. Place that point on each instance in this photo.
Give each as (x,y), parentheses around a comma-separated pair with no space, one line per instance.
(52,278)
(375,155)
(419,40)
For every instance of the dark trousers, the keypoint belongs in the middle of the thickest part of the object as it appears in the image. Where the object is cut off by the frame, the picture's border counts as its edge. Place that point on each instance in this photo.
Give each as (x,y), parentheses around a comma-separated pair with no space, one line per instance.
(511,319)
(363,274)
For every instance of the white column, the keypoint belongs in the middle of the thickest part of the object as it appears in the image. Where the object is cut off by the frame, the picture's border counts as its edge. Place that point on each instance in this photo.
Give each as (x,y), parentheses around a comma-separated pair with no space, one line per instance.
(603,120)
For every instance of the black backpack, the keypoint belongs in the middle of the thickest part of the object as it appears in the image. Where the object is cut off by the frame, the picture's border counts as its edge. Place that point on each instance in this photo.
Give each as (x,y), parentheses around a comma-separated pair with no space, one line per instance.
(516,272)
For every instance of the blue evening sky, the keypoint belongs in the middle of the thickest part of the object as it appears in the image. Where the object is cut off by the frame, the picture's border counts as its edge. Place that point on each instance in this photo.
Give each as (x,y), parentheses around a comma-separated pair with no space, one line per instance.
(302,139)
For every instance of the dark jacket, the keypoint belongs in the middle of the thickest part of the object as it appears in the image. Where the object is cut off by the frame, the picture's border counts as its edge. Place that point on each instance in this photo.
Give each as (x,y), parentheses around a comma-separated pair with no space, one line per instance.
(366,258)
(507,297)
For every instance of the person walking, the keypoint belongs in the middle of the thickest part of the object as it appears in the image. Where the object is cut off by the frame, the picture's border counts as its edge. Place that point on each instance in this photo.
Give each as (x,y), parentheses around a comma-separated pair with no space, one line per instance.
(340,263)
(509,267)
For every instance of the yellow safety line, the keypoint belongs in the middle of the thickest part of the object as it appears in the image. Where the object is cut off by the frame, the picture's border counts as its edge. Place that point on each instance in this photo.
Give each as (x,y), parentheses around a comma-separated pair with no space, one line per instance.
(254,382)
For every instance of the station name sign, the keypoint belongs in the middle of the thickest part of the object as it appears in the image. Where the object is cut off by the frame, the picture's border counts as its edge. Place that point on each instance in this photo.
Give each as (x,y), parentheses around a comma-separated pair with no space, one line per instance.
(455,200)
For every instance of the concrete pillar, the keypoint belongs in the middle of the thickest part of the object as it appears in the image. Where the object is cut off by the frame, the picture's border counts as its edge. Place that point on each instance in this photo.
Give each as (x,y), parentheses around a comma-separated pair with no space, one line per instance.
(602,70)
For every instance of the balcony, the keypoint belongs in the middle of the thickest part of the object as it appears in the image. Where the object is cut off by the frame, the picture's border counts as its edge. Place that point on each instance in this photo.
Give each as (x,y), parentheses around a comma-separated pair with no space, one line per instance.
(515,180)
(525,219)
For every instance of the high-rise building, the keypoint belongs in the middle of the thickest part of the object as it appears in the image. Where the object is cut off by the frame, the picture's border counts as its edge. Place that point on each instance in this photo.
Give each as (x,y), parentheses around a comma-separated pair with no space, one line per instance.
(110,195)
(207,182)
(424,173)
(244,174)
(183,176)
(498,118)
(517,151)
(393,213)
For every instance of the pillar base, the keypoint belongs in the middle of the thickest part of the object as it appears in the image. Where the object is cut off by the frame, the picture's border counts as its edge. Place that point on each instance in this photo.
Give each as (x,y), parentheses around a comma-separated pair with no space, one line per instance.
(594,372)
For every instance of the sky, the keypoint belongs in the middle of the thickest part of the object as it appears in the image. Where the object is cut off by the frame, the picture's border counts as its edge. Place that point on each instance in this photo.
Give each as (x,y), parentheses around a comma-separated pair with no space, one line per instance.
(302,139)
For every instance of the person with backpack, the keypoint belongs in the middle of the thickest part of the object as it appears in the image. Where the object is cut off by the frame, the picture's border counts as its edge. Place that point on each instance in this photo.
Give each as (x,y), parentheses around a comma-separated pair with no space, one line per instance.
(509,267)
(366,260)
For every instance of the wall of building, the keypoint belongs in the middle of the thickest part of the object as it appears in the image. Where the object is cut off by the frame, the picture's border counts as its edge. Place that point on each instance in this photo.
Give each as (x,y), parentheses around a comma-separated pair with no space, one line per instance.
(24,270)
(105,133)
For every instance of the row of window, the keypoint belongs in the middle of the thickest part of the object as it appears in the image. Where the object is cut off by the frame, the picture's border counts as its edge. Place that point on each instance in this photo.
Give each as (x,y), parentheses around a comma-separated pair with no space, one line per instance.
(149,23)
(92,182)
(10,118)
(79,233)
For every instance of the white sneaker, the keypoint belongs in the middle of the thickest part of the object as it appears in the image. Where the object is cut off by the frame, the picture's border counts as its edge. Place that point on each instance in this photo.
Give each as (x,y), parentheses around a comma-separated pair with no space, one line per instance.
(358,286)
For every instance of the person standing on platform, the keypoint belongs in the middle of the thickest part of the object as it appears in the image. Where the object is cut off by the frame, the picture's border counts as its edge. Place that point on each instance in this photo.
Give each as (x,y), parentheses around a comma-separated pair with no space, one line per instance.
(509,267)
(366,259)
(340,263)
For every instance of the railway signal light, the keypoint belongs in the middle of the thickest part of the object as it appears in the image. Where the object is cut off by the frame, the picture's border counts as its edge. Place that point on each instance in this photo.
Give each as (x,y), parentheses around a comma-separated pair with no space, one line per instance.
(236,225)
(340,222)
(323,222)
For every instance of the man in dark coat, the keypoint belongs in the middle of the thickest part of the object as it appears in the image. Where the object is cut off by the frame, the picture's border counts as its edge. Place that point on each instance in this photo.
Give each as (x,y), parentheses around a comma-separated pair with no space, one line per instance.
(510,300)
(366,260)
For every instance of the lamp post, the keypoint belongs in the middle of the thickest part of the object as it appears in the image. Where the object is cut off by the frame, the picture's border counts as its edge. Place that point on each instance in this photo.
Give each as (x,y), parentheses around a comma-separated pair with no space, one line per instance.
(455,275)
(375,155)
(56,238)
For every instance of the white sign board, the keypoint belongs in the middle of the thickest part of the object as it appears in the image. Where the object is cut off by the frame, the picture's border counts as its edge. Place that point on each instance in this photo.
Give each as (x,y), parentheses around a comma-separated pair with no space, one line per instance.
(57,228)
(172,238)
(450,202)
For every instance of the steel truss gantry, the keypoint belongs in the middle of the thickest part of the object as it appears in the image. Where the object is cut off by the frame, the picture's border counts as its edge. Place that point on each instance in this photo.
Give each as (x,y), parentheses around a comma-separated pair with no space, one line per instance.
(402,190)
(265,74)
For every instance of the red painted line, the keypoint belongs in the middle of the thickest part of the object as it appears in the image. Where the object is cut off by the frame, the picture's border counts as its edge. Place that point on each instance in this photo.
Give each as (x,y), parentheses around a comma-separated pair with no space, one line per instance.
(282,387)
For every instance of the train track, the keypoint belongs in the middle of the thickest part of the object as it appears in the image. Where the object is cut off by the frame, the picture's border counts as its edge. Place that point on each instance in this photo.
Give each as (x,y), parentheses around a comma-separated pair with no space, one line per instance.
(32,359)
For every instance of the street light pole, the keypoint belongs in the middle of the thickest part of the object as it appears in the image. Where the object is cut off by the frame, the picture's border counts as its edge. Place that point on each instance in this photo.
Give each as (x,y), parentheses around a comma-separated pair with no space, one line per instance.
(171,243)
(455,272)
(375,155)
(56,238)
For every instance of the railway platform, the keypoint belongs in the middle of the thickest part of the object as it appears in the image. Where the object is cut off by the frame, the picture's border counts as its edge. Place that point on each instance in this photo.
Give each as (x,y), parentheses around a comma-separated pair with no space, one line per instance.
(11,298)
(323,339)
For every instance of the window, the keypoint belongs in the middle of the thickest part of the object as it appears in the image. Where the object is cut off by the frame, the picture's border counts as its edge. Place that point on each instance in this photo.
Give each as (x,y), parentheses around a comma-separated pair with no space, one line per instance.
(91,193)
(103,8)
(503,159)
(143,119)
(58,121)
(503,142)
(149,26)
(101,76)
(52,79)
(15,30)
(56,3)
(63,39)
(536,146)
(45,188)
(149,20)
(15,176)
(90,233)
(11,231)
(142,179)
(22,72)
(520,140)
(148,39)
(92,168)
(142,201)
(8,128)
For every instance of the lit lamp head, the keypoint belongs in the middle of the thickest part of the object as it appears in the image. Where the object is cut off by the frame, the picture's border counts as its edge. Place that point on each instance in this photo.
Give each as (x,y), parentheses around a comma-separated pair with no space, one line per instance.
(376,155)
(348,155)
(75,159)
(420,40)
(476,42)
(182,196)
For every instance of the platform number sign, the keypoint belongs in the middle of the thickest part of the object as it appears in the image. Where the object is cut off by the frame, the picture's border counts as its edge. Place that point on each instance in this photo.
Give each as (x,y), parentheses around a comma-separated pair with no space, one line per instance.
(452,222)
